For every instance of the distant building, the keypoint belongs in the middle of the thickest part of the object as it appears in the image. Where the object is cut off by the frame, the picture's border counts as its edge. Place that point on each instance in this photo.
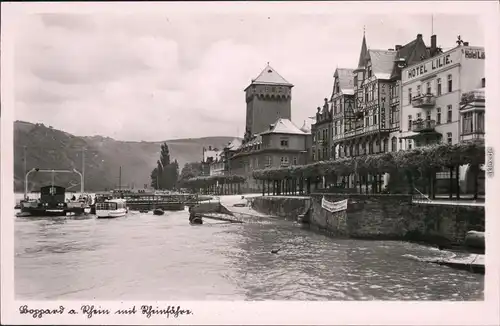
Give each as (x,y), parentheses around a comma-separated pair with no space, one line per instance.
(211,157)
(434,108)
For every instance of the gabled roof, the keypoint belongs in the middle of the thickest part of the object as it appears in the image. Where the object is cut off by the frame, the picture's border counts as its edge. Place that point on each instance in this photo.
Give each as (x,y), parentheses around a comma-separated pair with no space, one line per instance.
(382,63)
(346,80)
(269,76)
(363,54)
(284,126)
(411,53)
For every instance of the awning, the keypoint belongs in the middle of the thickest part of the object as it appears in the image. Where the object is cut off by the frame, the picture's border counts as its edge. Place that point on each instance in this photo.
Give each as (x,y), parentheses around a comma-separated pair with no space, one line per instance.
(424,135)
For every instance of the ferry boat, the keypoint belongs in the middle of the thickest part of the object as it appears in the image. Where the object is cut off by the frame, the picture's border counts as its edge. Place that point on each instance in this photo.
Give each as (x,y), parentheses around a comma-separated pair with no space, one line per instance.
(52,203)
(111,208)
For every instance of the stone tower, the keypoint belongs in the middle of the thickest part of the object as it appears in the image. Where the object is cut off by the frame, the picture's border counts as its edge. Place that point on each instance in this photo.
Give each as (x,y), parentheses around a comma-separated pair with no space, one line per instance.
(268,98)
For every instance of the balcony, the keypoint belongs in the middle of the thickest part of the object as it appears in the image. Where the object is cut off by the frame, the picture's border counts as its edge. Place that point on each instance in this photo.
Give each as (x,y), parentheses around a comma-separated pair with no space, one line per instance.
(426,101)
(423,125)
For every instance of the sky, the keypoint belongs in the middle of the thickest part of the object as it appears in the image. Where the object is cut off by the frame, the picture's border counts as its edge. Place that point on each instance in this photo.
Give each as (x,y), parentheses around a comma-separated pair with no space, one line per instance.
(151,77)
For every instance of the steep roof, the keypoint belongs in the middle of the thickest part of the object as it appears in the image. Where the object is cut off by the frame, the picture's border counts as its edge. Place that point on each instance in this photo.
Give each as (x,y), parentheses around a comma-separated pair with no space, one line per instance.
(269,76)
(412,53)
(284,126)
(382,63)
(346,80)
(363,54)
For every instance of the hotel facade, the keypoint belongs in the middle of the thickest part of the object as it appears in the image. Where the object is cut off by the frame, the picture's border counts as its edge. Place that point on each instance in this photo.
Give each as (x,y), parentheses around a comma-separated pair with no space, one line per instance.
(433,106)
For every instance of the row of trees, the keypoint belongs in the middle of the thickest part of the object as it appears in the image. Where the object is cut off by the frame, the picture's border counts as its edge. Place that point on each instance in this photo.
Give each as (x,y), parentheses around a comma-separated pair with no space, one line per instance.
(416,165)
(164,176)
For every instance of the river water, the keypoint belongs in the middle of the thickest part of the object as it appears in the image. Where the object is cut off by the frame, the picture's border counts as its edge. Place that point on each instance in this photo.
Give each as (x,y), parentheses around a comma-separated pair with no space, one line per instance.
(148,257)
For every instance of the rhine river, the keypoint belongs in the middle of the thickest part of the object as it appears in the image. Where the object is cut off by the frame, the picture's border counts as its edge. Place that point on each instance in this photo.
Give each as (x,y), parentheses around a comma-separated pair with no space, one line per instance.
(148,257)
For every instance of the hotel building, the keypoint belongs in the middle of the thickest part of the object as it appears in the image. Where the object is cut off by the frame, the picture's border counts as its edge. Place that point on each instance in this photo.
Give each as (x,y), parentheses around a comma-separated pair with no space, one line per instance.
(431,109)
(365,101)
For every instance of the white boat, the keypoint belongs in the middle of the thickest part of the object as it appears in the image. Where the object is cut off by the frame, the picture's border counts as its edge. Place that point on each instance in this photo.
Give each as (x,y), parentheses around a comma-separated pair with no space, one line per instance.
(111,208)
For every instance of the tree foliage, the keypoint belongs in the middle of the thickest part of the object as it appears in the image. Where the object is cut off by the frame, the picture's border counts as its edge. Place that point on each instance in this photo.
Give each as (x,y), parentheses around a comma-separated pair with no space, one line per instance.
(165,175)
(419,159)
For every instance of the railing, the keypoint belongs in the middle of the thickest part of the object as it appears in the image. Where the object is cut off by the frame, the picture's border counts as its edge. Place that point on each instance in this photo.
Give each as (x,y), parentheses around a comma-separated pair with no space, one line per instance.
(423,125)
(424,101)
(420,197)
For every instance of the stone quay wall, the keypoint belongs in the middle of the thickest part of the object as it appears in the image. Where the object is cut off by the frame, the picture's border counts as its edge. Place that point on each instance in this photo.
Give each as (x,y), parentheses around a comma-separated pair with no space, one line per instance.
(283,207)
(388,217)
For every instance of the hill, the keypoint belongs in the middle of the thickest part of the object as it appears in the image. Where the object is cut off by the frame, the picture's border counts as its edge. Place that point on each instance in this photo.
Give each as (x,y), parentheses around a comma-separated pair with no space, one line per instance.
(48,148)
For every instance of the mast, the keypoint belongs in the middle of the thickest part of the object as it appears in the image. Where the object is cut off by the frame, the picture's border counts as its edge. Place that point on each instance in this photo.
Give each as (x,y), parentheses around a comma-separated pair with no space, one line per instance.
(83,170)
(120,179)
(25,171)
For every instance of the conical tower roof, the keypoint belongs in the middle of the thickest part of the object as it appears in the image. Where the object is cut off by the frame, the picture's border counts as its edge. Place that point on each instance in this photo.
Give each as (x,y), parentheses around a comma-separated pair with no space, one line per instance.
(269,76)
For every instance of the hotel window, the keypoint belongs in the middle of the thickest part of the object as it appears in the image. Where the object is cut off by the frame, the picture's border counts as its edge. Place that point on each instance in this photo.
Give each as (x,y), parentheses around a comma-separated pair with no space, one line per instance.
(374,117)
(450,84)
(386,144)
(284,142)
(467,126)
(314,155)
(419,116)
(429,90)
(409,144)
(367,121)
(449,138)
(438,87)
(374,88)
(449,114)
(356,81)
(418,90)
(409,122)
(369,71)
(284,161)
(480,122)
(394,144)
(294,160)
(428,116)
(366,95)
(269,161)
(438,116)
(409,95)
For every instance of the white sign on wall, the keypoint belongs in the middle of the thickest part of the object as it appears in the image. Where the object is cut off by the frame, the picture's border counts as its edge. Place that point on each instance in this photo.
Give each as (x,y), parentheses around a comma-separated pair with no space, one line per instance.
(334,206)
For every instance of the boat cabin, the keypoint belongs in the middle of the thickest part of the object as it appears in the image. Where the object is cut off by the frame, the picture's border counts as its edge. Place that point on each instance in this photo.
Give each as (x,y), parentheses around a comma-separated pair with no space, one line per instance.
(52,195)
(112,205)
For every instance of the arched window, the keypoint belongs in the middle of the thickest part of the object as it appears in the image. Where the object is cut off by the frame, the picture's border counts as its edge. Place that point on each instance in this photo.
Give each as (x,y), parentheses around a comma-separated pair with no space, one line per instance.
(394,145)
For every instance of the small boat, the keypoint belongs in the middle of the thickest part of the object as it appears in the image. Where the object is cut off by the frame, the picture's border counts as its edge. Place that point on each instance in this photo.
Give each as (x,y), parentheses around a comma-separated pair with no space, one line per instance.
(158,211)
(111,208)
(195,219)
(144,211)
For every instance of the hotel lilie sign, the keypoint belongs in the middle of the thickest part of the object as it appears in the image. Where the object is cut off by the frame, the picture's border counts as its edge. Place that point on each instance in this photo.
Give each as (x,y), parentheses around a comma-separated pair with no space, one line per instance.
(442,61)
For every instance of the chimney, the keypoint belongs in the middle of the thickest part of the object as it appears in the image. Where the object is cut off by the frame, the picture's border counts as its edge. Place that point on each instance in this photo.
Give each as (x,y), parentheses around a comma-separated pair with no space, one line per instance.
(483,82)
(209,148)
(419,36)
(433,44)
(466,43)
(398,47)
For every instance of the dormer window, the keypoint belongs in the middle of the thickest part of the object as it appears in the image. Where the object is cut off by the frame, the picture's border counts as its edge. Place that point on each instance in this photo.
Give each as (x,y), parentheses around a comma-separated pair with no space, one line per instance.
(369,71)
